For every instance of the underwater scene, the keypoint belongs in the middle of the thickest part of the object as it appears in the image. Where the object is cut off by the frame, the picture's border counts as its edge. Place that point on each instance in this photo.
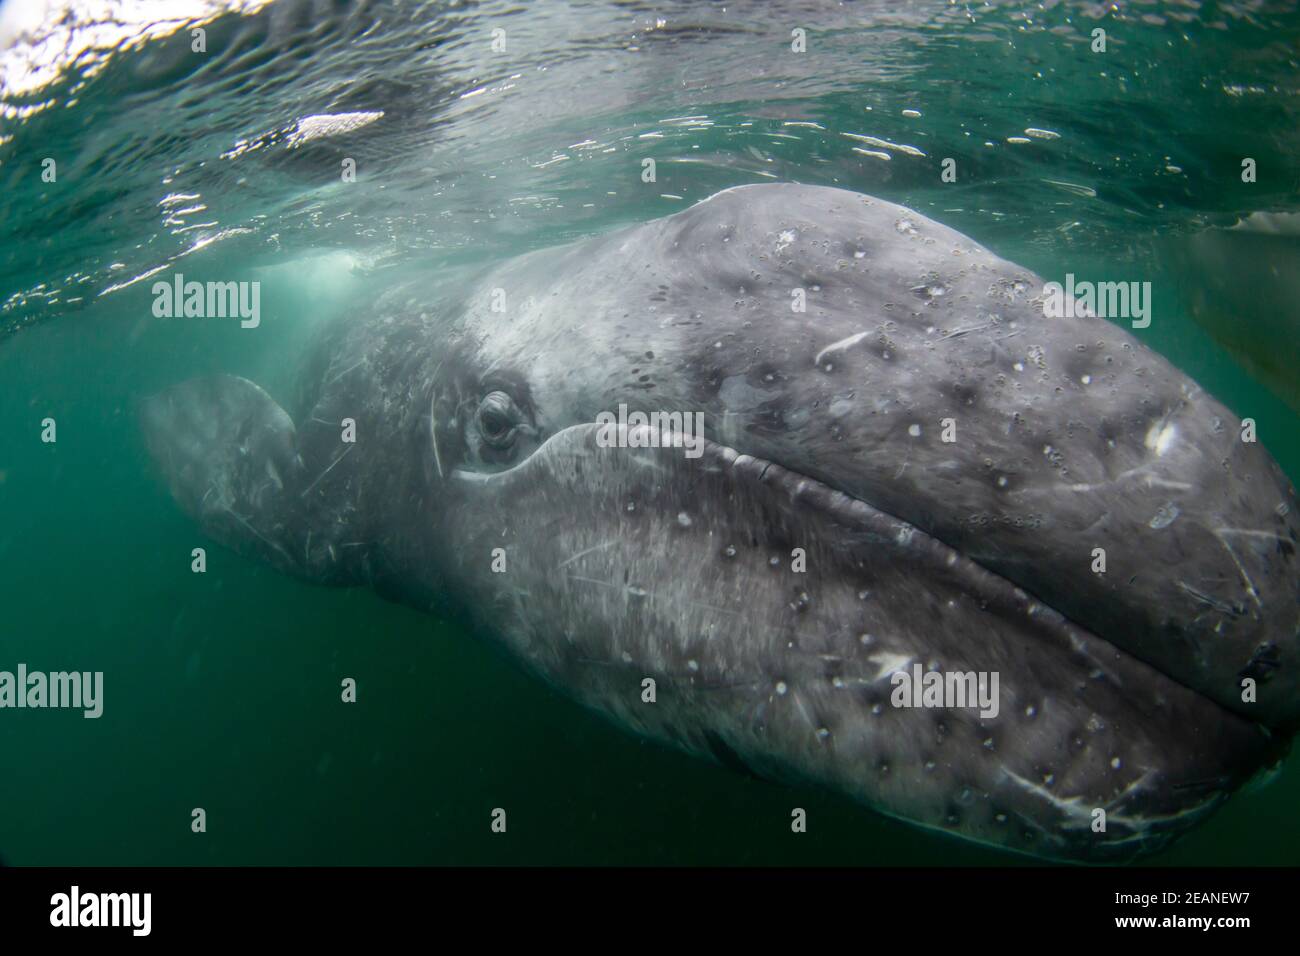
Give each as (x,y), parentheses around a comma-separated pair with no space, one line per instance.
(611,433)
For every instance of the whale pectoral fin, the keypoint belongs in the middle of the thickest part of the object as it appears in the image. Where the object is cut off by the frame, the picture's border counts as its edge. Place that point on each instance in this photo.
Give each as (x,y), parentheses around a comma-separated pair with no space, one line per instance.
(230,456)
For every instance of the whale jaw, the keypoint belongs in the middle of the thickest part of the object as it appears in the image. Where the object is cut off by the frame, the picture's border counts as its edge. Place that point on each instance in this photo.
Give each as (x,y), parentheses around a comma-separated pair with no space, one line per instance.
(784,625)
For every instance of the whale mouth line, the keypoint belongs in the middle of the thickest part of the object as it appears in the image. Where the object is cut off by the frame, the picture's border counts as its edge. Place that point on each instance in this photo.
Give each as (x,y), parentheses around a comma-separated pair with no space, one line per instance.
(856,515)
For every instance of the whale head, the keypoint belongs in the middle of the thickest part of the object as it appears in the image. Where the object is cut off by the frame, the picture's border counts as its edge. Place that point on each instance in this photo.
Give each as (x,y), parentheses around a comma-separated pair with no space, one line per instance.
(807,483)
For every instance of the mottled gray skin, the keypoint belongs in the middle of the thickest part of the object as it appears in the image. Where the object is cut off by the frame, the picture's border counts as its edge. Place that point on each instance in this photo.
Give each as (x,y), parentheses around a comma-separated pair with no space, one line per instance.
(1119,691)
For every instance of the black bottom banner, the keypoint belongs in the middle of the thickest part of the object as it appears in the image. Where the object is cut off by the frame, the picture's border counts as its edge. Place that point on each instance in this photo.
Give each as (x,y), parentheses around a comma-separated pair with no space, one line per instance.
(931,905)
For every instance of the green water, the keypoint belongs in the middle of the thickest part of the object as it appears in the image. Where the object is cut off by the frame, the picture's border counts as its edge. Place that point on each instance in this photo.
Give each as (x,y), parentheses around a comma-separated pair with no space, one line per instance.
(222,689)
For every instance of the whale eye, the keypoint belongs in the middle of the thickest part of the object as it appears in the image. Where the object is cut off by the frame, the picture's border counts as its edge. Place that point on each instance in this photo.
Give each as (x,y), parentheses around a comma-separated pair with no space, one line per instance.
(498,419)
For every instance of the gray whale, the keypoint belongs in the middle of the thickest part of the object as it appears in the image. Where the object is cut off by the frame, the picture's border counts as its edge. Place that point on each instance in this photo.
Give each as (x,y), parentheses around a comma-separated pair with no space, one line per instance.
(826,538)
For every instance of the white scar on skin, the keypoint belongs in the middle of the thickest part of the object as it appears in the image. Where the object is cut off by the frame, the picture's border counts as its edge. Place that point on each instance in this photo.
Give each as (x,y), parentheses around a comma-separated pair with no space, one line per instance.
(594,547)
(358,363)
(651,596)
(1160,437)
(803,711)
(889,663)
(433,426)
(326,471)
(1151,481)
(841,344)
(1077,810)
(1141,824)
(433,435)
(956,333)
(1250,585)
(1250,534)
